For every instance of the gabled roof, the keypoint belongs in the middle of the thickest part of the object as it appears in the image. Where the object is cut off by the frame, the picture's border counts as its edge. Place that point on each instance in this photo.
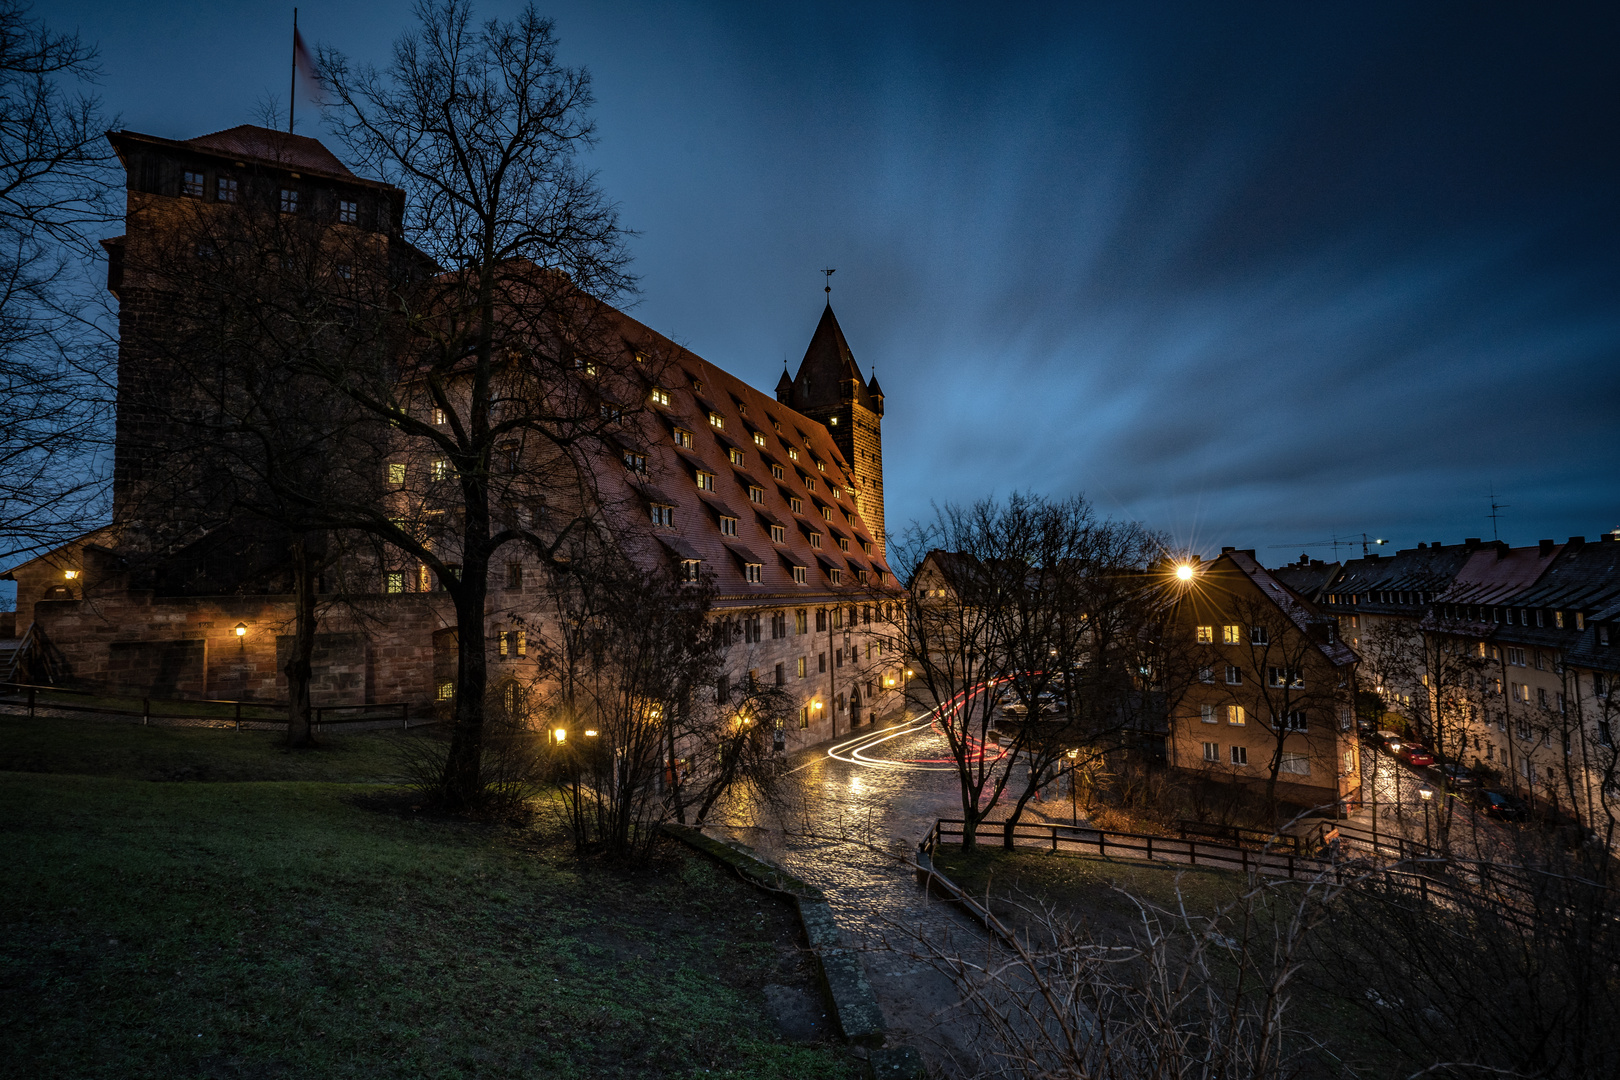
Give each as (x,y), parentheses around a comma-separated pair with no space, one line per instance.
(1296,608)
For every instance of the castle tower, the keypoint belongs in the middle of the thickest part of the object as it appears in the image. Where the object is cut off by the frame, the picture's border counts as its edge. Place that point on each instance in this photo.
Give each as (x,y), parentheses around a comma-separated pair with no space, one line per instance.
(829,388)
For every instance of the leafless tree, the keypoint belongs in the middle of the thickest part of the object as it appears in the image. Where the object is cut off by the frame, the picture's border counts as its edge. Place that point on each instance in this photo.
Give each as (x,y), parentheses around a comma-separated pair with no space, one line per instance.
(506,349)
(55,178)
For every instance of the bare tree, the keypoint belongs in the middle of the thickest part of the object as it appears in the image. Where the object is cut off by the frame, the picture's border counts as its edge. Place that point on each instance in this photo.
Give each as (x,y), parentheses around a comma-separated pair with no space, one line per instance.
(55,177)
(508,349)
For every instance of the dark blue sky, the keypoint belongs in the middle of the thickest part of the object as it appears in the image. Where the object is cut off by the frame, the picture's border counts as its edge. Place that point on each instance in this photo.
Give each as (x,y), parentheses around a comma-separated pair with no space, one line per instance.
(1251,275)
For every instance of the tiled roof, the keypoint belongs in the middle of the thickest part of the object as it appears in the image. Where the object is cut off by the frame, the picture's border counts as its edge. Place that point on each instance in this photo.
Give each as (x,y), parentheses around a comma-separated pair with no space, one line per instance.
(1298,611)
(670,480)
(274,147)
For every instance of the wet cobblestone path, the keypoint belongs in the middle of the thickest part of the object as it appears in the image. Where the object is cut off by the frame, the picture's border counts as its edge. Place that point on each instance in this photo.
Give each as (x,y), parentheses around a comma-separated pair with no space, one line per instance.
(856,816)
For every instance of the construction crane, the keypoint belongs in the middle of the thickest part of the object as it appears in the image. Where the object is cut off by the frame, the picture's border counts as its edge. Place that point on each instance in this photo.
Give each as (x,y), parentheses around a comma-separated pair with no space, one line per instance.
(1367,544)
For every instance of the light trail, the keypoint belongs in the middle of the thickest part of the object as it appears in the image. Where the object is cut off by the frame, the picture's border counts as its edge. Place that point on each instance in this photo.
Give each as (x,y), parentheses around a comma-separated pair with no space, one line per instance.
(854,751)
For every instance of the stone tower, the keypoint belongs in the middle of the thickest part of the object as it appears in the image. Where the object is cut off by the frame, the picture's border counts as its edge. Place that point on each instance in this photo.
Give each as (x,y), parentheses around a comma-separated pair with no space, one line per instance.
(829,388)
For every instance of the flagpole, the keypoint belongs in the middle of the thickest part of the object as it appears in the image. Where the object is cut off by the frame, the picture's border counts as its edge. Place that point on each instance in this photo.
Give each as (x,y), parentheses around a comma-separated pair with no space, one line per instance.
(292,84)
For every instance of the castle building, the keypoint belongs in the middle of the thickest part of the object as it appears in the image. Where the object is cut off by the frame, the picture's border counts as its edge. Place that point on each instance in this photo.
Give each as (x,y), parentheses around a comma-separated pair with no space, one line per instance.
(778,500)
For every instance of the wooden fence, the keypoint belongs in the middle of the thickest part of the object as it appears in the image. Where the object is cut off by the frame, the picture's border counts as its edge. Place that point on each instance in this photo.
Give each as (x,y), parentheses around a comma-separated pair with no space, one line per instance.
(203,710)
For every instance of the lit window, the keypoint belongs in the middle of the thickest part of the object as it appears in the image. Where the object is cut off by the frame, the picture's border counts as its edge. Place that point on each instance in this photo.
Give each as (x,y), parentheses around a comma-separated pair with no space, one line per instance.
(394,581)
(821,466)
(683,438)
(225,189)
(396,473)
(756,494)
(447,690)
(1231,635)
(796,504)
(705,480)
(716,420)
(1240,755)
(348,211)
(834,490)
(1206,635)
(752,572)
(660,397)
(289,201)
(438,417)
(792,453)
(193,185)
(735,457)
(798,575)
(759,439)
(728,526)
(1234,715)
(778,534)
(440,469)
(803,665)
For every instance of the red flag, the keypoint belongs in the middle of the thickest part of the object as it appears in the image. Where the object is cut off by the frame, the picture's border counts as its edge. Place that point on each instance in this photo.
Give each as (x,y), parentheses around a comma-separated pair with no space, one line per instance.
(309,71)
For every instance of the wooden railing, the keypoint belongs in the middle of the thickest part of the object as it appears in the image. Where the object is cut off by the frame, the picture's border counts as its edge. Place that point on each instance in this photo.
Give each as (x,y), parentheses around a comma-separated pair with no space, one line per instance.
(1238,836)
(258,712)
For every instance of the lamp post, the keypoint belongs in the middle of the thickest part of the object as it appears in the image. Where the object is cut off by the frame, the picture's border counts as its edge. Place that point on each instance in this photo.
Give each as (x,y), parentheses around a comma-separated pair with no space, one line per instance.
(1426,795)
(1074,795)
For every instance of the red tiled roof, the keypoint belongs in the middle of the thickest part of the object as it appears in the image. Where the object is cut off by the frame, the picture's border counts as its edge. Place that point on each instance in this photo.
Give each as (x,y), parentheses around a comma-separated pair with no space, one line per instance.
(275,147)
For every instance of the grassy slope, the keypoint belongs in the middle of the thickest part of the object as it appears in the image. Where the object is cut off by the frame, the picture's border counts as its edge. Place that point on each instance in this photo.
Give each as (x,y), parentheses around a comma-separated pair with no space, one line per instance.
(1094,889)
(311,927)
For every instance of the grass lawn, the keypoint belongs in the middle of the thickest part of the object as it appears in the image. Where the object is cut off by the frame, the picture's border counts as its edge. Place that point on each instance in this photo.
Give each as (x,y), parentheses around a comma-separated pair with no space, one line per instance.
(1088,888)
(297,918)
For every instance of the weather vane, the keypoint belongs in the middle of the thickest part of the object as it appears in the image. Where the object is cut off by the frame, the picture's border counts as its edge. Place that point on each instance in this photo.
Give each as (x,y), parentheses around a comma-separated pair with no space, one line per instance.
(829,271)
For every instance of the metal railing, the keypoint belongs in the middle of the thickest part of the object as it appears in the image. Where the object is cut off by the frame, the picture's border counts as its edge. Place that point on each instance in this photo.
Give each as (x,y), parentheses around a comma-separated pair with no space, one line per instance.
(42,697)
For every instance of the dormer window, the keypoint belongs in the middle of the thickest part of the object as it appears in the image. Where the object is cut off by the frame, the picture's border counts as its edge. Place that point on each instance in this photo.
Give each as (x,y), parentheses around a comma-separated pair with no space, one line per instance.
(742,407)
(660,397)
(798,575)
(834,490)
(716,420)
(866,546)
(753,572)
(697,387)
(778,534)
(809,482)
(815,540)
(756,494)
(635,462)
(736,457)
(192,187)
(759,439)
(728,526)
(860,576)
(776,472)
(683,438)
(348,212)
(705,480)
(690,569)
(821,466)
(663,514)
(833,421)
(835,575)
(796,504)
(843,543)
(792,453)
(826,513)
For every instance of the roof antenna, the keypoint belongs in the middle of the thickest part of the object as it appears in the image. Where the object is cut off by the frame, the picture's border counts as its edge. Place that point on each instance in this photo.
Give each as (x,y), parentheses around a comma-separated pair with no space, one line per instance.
(1496,507)
(829,271)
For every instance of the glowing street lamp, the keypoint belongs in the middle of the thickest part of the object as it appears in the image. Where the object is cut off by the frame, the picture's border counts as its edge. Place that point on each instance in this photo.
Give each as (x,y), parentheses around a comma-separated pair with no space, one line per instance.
(590,733)
(560,734)
(241,629)
(1426,795)
(70,574)
(1184,572)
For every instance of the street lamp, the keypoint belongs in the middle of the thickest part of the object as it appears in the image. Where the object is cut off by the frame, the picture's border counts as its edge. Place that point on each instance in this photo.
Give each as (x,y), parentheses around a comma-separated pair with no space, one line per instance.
(1074,795)
(241,629)
(1426,795)
(560,734)
(1184,572)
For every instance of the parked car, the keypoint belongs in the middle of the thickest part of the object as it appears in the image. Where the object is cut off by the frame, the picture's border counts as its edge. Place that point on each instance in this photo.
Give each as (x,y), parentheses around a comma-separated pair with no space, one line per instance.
(1502,806)
(1453,777)
(1414,754)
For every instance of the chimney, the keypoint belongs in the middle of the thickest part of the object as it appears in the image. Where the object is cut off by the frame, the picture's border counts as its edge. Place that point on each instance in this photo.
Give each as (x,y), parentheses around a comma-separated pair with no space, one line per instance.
(1471,543)
(1577,541)
(1434,543)
(1224,550)
(1546,549)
